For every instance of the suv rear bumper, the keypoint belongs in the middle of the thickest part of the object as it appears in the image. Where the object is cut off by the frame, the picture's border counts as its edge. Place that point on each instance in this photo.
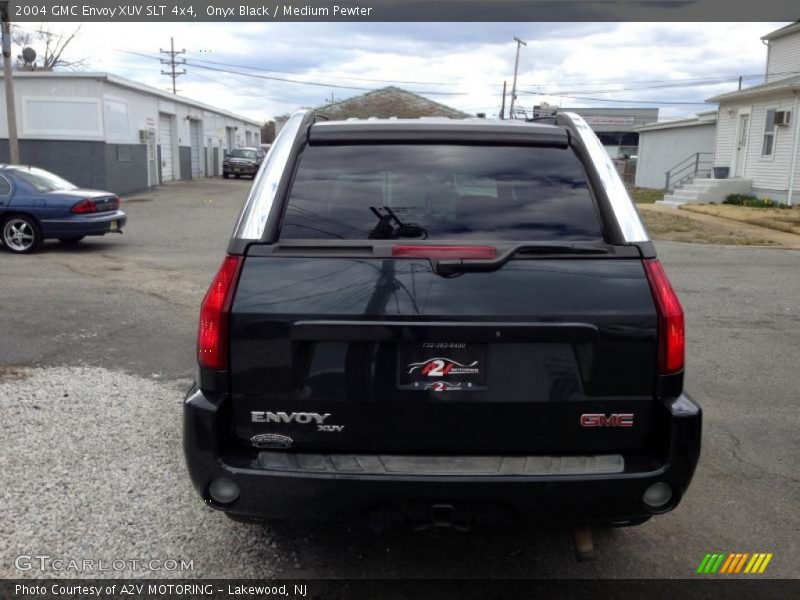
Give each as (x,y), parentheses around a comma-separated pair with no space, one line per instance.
(282,491)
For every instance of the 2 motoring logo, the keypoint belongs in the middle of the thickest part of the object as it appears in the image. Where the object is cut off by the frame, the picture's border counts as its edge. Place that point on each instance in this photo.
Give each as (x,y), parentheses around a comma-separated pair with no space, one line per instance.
(442,367)
(734,563)
(442,386)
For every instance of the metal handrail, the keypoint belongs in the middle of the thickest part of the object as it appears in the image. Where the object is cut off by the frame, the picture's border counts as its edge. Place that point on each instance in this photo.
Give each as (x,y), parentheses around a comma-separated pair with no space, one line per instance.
(688,167)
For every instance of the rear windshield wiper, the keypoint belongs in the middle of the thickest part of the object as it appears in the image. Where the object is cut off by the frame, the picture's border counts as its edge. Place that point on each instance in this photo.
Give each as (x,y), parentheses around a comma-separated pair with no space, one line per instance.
(450,267)
(390,227)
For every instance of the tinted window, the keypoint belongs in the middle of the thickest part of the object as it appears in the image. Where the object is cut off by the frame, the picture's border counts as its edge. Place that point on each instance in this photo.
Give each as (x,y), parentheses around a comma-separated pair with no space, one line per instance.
(41,180)
(240,153)
(5,187)
(454,192)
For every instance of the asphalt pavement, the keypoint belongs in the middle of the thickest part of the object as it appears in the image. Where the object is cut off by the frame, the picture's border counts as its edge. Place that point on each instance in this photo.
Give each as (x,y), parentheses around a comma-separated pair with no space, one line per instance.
(101,340)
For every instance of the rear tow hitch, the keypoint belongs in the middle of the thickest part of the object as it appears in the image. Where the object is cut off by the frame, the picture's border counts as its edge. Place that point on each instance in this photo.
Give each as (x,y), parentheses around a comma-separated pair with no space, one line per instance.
(442,516)
(584,543)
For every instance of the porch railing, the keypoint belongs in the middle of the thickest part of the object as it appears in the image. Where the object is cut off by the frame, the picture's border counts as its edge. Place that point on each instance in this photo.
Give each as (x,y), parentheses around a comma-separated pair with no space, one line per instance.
(693,165)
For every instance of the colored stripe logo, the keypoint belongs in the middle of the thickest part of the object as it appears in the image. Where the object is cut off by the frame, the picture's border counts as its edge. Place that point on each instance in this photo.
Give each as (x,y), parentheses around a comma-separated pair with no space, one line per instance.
(734,563)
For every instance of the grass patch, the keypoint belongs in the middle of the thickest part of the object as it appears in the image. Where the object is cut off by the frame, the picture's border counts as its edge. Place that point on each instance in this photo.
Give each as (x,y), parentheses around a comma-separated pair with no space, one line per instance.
(780,219)
(645,195)
(675,228)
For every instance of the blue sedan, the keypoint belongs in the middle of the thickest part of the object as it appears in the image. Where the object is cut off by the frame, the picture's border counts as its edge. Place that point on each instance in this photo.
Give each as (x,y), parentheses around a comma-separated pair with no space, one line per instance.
(36,205)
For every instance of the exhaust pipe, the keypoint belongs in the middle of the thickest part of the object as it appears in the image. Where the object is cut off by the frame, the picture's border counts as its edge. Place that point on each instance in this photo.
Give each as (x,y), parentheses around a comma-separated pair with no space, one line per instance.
(584,543)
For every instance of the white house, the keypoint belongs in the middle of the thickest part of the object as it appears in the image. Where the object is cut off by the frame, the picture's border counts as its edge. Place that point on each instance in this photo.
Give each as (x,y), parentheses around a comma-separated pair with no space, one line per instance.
(105,132)
(758,134)
(671,152)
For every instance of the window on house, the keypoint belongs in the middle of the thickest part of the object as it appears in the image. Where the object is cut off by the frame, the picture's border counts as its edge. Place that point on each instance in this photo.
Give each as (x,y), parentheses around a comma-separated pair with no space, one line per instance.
(768,146)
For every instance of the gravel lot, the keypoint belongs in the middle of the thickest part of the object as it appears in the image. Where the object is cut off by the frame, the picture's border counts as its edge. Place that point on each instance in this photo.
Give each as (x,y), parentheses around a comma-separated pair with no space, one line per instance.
(101,337)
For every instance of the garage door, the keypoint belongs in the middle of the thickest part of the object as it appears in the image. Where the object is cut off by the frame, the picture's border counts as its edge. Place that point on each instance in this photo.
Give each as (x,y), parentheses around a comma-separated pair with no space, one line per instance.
(194,132)
(165,142)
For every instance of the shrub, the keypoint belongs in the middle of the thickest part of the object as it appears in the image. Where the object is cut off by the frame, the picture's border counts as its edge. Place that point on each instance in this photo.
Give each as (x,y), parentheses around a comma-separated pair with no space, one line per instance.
(753,201)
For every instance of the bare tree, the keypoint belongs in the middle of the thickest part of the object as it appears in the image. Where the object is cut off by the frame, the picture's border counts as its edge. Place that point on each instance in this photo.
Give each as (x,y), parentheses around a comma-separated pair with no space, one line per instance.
(50,47)
(268,132)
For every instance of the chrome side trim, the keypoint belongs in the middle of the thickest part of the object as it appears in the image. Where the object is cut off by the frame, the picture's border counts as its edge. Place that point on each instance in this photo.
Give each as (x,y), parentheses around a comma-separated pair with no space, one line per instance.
(387,464)
(630,223)
(256,209)
(89,218)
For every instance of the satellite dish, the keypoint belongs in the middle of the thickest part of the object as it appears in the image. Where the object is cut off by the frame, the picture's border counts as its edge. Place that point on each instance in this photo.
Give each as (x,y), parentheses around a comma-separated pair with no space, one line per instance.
(29,55)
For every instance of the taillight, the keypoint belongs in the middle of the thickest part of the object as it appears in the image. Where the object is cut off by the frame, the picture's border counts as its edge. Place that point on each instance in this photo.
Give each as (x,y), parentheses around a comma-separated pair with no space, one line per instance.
(115,206)
(671,334)
(212,334)
(445,252)
(83,207)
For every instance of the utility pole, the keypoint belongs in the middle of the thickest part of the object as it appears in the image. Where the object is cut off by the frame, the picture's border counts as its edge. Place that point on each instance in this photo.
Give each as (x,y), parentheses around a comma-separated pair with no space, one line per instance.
(172,62)
(8,79)
(503,104)
(514,85)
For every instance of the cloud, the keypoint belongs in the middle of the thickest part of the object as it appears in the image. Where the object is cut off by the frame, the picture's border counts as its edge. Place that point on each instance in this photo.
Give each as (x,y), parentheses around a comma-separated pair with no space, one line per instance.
(461,64)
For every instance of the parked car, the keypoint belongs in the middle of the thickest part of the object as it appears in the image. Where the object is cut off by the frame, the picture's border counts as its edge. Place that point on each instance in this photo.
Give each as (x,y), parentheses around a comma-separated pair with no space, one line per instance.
(242,161)
(36,205)
(443,321)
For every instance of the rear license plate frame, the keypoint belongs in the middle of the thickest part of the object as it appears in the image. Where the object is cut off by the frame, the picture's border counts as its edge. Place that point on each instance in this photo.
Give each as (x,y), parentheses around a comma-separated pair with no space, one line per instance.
(442,366)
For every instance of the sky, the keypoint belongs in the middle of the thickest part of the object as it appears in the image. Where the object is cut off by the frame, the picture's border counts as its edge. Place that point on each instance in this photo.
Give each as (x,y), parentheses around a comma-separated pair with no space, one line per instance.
(459,64)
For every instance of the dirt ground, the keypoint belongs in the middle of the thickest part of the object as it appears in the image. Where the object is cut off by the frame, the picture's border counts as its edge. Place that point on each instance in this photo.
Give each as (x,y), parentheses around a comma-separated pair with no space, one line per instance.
(665,223)
(781,219)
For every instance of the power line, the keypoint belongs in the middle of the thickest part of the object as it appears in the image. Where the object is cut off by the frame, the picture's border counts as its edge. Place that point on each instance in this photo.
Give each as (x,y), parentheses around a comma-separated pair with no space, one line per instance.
(348,78)
(677,82)
(703,83)
(317,83)
(690,81)
(566,94)
(658,102)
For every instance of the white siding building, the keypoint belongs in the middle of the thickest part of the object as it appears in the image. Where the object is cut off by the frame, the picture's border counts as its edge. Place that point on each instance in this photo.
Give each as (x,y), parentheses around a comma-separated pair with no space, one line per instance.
(102,131)
(758,134)
(674,151)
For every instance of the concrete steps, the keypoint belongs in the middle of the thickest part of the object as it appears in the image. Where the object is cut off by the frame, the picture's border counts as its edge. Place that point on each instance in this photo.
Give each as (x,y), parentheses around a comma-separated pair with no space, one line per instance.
(703,191)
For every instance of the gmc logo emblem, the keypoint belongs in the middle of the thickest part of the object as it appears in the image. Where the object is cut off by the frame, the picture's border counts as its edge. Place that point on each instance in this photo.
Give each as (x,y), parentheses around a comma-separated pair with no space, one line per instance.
(601,420)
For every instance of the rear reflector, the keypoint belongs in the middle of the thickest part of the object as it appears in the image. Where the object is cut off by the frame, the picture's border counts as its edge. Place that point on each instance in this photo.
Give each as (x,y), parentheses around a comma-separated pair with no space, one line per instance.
(212,334)
(671,334)
(445,252)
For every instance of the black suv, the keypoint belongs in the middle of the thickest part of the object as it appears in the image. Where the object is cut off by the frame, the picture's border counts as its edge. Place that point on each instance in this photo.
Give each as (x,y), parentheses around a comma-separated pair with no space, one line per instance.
(445,321)
(242,161)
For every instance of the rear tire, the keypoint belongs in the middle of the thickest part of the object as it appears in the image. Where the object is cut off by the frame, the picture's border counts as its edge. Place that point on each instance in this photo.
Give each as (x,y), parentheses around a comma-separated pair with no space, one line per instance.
(21,234)
(225,176)
(238,176)
(71,240)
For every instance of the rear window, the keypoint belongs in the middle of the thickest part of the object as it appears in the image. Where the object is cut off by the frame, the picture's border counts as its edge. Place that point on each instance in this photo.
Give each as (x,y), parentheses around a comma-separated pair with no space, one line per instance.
(41,180)
(440,192)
